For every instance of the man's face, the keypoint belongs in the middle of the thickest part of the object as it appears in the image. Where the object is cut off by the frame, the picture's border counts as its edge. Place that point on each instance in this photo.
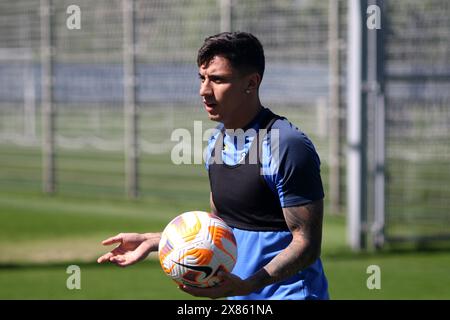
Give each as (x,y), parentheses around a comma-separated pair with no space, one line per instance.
(223,90)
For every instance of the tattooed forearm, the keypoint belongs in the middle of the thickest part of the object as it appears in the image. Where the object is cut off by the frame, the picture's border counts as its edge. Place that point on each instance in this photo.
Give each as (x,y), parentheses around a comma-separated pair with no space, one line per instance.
(305,223)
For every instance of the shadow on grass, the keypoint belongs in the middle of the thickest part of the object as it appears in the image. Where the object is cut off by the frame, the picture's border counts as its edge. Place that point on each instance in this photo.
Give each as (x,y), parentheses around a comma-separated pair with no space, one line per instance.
(390,250)
(335,254)
(64,264)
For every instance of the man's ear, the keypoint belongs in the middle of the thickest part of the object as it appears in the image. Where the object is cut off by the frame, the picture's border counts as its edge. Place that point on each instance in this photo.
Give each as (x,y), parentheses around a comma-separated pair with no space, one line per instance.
(254,80)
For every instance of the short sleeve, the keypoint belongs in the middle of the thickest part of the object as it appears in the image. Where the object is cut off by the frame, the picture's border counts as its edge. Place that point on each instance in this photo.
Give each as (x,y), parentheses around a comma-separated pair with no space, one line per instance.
(298,179)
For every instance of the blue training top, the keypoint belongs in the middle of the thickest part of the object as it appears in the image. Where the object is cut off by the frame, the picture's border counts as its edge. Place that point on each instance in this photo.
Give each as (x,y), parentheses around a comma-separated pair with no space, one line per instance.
(291,169)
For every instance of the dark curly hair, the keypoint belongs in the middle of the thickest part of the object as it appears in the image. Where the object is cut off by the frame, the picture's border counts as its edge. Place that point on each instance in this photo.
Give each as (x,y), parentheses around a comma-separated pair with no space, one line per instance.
(242,49)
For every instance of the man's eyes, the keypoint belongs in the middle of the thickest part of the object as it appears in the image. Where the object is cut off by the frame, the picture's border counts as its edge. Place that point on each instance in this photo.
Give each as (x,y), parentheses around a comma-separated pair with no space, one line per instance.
(213,79)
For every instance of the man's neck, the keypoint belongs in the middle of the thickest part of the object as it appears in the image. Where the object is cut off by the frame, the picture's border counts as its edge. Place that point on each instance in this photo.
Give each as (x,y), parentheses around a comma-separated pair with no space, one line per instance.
(245,119)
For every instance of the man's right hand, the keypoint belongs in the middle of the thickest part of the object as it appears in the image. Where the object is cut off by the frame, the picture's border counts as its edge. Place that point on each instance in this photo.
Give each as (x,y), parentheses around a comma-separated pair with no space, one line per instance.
(132,248)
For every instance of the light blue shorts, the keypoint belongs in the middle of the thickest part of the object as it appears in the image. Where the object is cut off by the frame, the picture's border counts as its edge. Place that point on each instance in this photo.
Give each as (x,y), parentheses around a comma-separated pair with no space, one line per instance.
(257,248)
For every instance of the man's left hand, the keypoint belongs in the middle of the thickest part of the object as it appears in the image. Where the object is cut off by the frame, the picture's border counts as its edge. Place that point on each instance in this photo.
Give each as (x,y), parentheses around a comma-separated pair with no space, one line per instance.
(230,285)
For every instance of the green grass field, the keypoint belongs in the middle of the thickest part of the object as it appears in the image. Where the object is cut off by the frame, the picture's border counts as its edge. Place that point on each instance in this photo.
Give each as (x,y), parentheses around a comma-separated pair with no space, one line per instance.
(40,236)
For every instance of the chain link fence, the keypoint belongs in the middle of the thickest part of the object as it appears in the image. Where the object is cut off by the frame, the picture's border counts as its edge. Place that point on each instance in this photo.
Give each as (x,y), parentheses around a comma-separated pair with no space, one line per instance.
(417,119)
(89,81)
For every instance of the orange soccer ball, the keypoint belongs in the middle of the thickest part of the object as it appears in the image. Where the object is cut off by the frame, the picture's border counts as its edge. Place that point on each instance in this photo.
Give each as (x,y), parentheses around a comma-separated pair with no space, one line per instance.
(195,246)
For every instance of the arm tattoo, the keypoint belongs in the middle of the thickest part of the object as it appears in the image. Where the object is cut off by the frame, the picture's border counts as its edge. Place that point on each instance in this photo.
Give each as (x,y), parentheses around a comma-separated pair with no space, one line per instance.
(305,223)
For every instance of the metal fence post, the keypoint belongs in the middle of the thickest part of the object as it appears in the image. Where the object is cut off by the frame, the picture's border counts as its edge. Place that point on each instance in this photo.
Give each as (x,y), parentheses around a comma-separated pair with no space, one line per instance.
(334,109)
(375,76)
(225,15)
(48,112)
(357,126)
(130,109)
